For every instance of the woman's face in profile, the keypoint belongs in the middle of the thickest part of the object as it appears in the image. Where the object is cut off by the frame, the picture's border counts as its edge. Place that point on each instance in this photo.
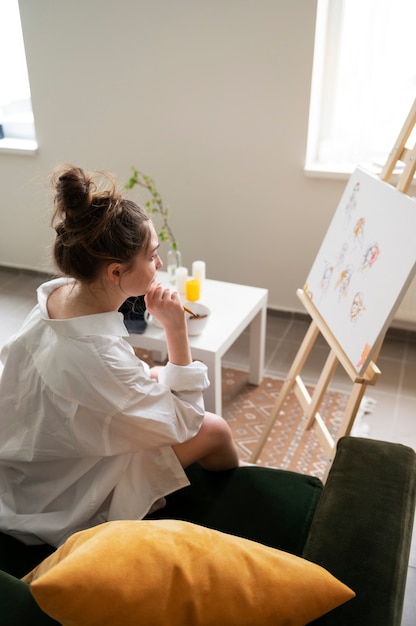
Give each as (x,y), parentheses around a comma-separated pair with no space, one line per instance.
(139,279)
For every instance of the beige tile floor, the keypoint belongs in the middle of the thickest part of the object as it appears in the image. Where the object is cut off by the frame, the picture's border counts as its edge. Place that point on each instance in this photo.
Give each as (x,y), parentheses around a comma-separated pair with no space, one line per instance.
(394,412)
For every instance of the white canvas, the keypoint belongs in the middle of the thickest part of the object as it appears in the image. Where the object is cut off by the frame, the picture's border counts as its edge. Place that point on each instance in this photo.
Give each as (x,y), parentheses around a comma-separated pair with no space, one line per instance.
(365,264)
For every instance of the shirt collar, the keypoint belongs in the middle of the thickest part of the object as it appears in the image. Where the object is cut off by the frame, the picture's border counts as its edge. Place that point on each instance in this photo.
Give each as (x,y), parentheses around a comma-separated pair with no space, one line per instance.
(110,323)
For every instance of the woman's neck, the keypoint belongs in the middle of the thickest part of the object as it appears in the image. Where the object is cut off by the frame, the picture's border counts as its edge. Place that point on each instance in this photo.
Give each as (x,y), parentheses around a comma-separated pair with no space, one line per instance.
(75,299)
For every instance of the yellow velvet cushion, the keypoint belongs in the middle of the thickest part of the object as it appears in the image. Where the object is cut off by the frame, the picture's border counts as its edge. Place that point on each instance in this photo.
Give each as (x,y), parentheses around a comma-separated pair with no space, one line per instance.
(173,573)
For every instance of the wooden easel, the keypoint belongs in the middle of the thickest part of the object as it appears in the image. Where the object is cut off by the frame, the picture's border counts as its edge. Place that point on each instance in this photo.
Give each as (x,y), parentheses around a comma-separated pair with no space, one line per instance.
(403,154)
(310,404)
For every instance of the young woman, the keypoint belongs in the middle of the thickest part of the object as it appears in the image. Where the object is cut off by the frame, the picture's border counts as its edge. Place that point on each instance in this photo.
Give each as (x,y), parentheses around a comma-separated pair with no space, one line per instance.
(88,433)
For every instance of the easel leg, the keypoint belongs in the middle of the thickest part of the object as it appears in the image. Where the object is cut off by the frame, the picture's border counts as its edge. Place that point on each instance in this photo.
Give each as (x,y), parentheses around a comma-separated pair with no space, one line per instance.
(321,387)
(351,409)
(296,367)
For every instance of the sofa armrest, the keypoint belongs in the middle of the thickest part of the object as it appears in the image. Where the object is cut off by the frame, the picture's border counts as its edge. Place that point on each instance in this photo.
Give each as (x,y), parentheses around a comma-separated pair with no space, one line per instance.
(17,605)
(362,529)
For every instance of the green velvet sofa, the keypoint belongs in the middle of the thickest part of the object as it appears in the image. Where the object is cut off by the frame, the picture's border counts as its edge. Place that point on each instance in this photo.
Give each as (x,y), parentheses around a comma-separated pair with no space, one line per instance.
(358,526)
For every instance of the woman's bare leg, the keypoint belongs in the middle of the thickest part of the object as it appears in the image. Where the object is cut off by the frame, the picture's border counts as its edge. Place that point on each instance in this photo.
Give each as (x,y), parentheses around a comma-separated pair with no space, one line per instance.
(213,446)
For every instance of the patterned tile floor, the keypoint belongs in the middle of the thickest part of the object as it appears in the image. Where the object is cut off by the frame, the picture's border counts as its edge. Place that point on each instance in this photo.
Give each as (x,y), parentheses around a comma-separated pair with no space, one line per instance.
(394,412)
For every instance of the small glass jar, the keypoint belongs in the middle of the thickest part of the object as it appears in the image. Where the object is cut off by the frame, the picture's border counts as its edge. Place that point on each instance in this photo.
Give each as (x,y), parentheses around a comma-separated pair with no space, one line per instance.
(174,261)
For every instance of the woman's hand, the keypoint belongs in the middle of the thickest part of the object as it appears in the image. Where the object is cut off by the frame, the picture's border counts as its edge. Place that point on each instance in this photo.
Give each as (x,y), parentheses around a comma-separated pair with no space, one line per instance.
(166,307)
(154,372)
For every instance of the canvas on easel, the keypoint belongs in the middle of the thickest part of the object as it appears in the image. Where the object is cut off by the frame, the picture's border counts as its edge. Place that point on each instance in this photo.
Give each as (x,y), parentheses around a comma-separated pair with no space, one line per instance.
(363,267)
(365,264)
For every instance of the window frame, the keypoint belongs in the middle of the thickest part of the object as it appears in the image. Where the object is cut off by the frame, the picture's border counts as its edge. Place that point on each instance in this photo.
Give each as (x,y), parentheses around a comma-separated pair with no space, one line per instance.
(329,35)
(16,112)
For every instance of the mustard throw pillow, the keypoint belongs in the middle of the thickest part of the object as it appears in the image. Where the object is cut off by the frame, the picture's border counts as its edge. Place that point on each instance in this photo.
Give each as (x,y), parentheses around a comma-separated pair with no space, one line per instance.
(173,573)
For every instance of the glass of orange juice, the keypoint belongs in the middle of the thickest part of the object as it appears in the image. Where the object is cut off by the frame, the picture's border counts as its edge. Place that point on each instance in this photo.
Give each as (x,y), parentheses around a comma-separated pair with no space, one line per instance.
(192,290)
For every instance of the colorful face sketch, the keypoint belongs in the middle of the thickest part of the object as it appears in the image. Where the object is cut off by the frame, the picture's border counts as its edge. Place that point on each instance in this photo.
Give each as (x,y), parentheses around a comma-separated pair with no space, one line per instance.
(371,256)
(344,280)
(358,230)
(357,306)
(326,278)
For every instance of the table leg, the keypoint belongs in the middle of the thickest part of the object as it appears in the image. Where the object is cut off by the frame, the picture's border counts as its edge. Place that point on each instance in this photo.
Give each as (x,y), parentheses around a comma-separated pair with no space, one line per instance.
(213,395)
(256,347)
(159,356)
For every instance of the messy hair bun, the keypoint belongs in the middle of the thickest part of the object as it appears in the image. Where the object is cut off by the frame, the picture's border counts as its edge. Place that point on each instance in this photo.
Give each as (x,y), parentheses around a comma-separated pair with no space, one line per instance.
(74,193)
(94,224)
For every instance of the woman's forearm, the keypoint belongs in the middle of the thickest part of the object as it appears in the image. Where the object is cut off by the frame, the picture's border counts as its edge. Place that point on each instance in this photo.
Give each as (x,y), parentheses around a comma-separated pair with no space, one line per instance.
(179,352)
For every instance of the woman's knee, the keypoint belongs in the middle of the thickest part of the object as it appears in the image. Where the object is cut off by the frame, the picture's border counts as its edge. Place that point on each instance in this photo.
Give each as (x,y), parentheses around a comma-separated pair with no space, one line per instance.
(214,437)
(216,429)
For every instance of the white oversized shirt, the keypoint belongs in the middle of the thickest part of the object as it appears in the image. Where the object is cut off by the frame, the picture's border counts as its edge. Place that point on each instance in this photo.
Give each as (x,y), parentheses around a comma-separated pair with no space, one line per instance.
(85,433)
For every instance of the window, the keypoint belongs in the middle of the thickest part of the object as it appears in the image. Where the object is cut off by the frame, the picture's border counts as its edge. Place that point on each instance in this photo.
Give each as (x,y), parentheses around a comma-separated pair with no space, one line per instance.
(16,116)
(363,84)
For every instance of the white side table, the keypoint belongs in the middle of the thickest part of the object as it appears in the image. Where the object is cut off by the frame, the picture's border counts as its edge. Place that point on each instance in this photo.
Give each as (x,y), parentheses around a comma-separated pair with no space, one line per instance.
(233,308)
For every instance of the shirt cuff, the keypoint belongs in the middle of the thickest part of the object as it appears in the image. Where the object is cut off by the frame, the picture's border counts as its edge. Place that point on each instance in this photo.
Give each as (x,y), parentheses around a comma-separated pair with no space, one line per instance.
(185,377)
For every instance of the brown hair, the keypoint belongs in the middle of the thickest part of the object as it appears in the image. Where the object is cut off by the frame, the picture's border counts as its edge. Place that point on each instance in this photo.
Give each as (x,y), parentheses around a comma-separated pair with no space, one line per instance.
(94,224)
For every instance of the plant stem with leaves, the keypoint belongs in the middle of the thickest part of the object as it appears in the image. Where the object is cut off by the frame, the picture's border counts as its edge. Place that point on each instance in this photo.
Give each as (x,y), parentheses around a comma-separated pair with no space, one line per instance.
(155,205)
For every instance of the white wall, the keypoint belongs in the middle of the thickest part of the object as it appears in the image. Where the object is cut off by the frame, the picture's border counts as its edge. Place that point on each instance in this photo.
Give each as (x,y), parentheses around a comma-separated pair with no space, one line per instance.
(210,97)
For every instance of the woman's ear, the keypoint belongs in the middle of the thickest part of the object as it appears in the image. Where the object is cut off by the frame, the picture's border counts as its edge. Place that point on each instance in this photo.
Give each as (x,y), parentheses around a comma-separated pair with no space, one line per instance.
(113,272)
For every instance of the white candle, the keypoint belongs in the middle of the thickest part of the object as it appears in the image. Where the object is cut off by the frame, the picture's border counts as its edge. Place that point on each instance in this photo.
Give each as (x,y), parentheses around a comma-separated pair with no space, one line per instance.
(181,276)
(198,271)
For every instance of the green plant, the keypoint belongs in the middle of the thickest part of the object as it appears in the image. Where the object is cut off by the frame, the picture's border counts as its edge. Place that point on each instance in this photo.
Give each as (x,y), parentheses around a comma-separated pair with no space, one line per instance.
(155,205)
